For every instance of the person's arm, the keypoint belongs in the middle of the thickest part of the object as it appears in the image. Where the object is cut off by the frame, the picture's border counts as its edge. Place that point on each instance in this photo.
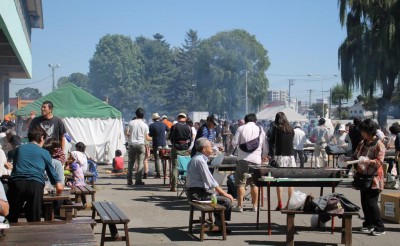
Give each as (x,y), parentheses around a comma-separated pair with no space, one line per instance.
(51,172)
(221,192)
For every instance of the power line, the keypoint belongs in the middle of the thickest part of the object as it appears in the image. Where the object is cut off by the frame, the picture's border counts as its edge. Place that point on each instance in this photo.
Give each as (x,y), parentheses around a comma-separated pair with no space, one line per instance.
(31,82)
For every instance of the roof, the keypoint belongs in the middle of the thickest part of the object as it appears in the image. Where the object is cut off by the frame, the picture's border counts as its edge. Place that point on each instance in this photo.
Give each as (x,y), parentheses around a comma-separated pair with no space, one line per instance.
(269,114)
(71,101)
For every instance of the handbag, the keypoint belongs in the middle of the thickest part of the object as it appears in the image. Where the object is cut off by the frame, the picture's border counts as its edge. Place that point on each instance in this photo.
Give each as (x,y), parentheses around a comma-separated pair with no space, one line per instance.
(362,181)
(251,145)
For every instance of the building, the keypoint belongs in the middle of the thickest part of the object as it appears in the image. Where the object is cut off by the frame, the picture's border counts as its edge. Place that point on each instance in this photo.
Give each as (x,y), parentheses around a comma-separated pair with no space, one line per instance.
(17,19)
(277,95)
(357,110)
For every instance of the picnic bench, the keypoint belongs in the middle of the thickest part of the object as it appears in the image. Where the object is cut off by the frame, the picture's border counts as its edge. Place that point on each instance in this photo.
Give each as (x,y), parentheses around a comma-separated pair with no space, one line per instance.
(83,190)
(206,208)
(346,231)
(111,215)
(70,209)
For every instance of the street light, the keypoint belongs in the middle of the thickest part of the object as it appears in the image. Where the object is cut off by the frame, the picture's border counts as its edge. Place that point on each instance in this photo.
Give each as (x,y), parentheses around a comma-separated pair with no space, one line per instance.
(53,67)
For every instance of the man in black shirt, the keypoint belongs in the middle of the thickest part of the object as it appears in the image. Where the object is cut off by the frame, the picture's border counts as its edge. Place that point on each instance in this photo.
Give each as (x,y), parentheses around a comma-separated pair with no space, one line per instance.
(157,131)
(181,137)
(53,125)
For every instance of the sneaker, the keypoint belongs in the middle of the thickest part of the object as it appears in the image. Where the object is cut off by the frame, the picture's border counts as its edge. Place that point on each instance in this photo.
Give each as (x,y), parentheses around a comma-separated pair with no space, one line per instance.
(237,209)
(366,229)
(139,183)
(377,233)
(254,209)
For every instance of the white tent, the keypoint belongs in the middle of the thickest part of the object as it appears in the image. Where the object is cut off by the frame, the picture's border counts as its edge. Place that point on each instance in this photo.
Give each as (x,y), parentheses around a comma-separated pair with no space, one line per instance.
(269,113)
(87,119)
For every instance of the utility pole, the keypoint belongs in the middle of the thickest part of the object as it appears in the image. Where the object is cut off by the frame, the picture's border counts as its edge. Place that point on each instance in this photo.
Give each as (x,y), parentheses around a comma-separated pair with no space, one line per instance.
(53,67)
(309,101)
(291,82)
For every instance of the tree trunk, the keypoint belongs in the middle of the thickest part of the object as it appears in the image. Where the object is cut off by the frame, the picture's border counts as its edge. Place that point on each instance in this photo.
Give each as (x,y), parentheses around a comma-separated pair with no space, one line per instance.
(384,101)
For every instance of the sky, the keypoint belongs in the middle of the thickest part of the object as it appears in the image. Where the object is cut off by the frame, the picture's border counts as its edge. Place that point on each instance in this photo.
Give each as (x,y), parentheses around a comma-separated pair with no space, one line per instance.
(301,36)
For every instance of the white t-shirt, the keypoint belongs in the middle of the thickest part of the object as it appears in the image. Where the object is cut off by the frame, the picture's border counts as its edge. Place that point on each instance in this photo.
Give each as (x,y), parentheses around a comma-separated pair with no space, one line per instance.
(137,131)
(3,160)
(299,139)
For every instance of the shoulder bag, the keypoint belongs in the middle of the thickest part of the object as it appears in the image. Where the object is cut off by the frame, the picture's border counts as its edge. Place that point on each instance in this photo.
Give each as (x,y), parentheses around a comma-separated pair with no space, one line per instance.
(251,145)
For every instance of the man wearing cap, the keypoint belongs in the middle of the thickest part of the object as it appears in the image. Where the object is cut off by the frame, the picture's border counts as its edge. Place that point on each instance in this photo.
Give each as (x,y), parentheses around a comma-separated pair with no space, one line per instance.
(207,130)
(181,137)
(157,132)
(299,140)
(137,132)
(165,120)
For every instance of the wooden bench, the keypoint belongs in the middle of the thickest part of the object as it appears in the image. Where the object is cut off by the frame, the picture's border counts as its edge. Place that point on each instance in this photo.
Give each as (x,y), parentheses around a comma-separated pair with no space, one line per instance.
(70,210)
(90,221)
(346,231)
(206,208)
(111,215)
(83,190)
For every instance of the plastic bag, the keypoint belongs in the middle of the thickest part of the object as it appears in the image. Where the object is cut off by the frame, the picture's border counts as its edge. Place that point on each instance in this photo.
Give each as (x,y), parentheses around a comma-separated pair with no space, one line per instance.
(342,161)
(297,200)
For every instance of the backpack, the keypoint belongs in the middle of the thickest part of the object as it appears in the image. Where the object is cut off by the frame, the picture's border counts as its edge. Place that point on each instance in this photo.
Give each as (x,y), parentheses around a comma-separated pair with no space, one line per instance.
(93,169)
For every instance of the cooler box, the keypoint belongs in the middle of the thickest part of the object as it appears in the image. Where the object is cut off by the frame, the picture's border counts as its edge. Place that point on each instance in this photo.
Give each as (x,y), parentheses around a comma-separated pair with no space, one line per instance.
(390,207)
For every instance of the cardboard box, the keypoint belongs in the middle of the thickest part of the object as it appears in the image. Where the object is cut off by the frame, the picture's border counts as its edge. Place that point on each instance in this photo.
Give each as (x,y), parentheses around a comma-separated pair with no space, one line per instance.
(390,207)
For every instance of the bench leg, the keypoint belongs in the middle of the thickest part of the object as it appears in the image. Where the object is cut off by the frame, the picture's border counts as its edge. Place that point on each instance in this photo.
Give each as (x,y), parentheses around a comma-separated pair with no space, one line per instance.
(191,219)
(126,234)
(347,230)
(68,213)
(203,225)
(223,225)
(103,235)
(290,230)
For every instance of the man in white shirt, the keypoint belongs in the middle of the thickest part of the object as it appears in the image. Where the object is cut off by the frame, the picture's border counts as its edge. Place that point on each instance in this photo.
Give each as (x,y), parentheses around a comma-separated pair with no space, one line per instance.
(299,140)
(246,133)
(137,132)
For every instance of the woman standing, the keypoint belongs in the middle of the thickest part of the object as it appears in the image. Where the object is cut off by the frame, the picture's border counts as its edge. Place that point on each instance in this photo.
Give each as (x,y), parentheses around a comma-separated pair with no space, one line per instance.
(374,149)
(282,137)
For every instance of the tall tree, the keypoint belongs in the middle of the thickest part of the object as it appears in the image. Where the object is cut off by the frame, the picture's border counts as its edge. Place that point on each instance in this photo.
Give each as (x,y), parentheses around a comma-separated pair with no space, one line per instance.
(223,62)
(79,79)
(115,72)
(338,95)
(29,93)
(369,57)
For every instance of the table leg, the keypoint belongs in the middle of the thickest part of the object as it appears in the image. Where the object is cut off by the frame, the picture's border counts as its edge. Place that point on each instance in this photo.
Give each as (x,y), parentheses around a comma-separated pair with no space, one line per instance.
(48,211)
(290,229)
(347,228)
(258,210)
(164,166)
(269,208)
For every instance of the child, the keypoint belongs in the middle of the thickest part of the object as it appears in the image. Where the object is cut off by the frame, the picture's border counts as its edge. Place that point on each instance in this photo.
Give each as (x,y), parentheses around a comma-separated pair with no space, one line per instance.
(78,179)
(118,162)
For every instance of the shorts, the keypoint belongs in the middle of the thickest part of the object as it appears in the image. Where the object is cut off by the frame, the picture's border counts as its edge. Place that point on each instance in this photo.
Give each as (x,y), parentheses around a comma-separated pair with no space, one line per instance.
(242,167)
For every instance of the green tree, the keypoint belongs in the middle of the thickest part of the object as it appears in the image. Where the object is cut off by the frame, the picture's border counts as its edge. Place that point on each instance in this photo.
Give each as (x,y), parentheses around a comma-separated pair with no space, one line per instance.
(29,93)
(317,109)
(115,72)
(159,71)
(222,63)
(338,95)
(370,55)
(78,79)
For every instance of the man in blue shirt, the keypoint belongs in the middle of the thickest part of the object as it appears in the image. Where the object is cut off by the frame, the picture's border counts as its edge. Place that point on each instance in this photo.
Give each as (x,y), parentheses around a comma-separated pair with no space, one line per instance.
(200,181)
(26,184)
(207,130)
(157,131)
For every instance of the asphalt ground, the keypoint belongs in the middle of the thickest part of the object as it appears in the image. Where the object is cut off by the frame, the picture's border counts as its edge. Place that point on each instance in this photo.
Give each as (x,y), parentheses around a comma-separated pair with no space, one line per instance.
(159,217)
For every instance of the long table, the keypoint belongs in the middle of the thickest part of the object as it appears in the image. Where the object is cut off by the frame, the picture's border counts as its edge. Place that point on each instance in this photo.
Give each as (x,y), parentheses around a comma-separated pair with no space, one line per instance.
(48,200)
(49,234)
(291,182)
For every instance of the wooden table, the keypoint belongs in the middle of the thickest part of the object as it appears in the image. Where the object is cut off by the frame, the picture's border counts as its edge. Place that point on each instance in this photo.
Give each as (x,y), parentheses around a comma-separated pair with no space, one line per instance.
(292,182)
(48,200)
(49,234)
(165,156)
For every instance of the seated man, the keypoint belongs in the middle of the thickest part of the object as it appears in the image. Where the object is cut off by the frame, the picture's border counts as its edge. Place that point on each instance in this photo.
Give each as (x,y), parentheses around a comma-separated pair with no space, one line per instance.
(4,207)
(200,182)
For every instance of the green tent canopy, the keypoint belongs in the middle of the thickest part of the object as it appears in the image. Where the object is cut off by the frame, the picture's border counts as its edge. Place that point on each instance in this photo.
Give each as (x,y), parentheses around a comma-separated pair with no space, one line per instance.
(71,101)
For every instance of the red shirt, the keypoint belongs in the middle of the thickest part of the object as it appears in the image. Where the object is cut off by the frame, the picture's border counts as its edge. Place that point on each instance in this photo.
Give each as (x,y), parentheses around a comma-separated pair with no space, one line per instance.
(118,163)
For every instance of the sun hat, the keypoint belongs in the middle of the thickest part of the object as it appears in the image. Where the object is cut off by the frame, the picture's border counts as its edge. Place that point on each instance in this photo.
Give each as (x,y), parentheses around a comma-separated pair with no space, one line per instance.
(182,115)
(342,127)
(155,116)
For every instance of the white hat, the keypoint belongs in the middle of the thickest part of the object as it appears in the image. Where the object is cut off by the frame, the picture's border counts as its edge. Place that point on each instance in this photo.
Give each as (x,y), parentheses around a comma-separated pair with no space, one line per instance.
(342,127)
(182,115)
(155,116)
(297,124)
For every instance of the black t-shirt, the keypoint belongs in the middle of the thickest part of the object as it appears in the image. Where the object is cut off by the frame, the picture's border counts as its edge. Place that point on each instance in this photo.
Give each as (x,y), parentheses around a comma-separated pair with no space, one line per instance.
(157,132)
(54,127)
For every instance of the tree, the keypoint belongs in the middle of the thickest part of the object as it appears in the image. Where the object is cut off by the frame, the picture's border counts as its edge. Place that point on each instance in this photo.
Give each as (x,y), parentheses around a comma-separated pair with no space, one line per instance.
(369,57)
(115,72)
(338,94)
(28,93)
(221,68)
(317,109)
(78,79)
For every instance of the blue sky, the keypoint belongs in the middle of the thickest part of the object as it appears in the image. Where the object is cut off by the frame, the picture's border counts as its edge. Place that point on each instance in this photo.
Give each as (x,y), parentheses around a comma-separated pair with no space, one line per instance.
(301,36)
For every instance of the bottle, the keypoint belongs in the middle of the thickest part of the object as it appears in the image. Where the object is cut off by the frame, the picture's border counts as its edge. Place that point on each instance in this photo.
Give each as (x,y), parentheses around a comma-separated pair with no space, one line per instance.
(214,199)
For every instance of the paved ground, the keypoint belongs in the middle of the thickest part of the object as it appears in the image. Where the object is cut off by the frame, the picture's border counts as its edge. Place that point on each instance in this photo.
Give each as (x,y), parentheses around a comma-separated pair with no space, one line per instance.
(158,217)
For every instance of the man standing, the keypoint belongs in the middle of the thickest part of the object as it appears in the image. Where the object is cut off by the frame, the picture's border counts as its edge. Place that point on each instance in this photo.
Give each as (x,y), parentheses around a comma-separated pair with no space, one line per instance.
(157,131)
(181,137)
(299,140)
(320,133)
(200,181)
(246,133)
(137,132)
(53,125)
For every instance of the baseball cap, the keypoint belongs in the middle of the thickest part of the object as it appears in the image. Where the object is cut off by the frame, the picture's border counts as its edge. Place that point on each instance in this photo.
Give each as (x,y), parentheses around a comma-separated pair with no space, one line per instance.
(182,115)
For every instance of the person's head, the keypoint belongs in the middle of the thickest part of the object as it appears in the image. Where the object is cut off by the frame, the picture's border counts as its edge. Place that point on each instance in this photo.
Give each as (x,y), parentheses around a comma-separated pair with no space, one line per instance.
(15,141)
(155,117)
(241,122)
(196,125)
(282,122)
(47,109)
(118,153)
(297,125)
(164,117)
(321,122)
(81,147)
(37,135)
(368,128)
(189,122)
(212,121)
(181,117)
(139,113)
(341,129)
(250,118)
(203,145)
(394,128)
(51,145)
(357,121)
(7,118)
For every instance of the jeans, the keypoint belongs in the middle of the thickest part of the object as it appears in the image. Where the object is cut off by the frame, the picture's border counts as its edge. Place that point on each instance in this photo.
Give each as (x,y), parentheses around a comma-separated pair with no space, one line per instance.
(135,154)
(299,153)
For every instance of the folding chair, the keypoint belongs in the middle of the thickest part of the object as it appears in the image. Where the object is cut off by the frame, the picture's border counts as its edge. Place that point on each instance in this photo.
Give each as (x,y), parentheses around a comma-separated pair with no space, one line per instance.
(183,162)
